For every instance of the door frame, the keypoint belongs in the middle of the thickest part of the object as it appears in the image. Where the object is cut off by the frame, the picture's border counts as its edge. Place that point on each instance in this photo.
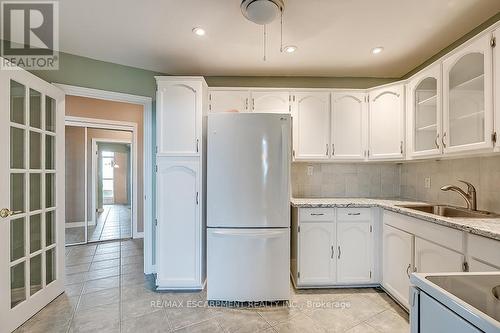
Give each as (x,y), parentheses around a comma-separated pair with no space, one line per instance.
(133,175)
(147,103)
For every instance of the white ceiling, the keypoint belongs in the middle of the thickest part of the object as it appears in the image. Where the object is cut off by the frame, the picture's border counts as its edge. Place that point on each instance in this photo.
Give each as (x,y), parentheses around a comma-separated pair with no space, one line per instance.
(334,37)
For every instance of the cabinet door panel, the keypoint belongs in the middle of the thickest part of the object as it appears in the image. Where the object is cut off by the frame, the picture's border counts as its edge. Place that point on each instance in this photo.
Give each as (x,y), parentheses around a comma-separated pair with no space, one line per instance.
(467,98)
(271,101)
(424,113)
(387,123)
(479,266)
(178,230)
(179,118)
(397,262)
(229,101)
(354,252)
(349,126)
(311,126)
(432,258)
(316,245)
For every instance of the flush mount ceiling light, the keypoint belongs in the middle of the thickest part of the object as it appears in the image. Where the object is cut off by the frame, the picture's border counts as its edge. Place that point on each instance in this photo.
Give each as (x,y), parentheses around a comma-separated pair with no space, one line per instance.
(261,11)
(377,50)
(199,31)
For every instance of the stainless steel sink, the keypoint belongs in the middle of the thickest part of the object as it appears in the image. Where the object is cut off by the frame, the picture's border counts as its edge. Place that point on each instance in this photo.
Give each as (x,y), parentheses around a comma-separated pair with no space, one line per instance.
(450,211)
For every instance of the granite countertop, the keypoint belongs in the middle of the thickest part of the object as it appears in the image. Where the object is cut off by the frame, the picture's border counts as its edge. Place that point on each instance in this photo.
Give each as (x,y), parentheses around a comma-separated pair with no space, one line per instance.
(487,227)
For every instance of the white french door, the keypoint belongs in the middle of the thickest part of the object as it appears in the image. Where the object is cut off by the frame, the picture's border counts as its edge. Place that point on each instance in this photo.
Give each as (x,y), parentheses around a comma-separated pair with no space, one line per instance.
(32,199)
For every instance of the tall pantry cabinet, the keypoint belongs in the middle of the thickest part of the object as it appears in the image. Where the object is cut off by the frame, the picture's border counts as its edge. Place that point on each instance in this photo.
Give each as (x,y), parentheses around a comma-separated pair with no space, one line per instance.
(181,110)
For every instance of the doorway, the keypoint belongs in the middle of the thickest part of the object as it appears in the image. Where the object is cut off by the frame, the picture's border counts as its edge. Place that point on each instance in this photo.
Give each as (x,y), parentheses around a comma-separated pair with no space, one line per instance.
(100,183)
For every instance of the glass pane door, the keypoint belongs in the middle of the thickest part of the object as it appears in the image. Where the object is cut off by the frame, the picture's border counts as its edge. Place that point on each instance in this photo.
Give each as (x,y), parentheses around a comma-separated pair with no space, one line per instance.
(32,192)
(467,100)
(426,122)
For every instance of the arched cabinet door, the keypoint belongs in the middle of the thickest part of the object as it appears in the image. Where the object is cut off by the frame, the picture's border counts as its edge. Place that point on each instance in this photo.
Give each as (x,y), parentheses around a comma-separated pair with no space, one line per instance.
(179,114)
(467,98)
(178,223)
(354,251)
(349,126)
(271,101)
(311,126)
(386,123)
(424,114)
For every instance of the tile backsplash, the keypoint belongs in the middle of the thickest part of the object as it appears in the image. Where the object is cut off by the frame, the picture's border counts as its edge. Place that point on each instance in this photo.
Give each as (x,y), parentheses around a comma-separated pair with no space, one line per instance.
(346,180)
(482,172)
(406,180)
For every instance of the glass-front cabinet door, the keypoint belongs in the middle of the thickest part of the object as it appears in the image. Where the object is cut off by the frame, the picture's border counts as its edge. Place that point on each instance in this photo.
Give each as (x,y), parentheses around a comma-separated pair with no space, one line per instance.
(31,206)
(424,119)
(468,102)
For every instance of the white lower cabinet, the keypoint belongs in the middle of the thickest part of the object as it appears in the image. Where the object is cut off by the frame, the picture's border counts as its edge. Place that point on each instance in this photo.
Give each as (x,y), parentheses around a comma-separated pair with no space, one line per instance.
(397,262)
(179,224)
(354,249)
(433,258)
(316,255)
(330,248)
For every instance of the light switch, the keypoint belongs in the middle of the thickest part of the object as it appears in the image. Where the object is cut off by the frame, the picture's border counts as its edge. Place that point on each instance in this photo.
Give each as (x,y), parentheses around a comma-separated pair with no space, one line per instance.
(310,170)
(427,182)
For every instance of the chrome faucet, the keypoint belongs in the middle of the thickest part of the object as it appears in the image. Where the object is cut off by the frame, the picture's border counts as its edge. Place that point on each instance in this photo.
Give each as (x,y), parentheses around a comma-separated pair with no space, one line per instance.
(469,197)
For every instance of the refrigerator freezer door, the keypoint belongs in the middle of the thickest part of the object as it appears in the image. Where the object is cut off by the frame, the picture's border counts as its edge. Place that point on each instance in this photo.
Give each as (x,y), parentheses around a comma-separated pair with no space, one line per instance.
(248,170)
(248,264)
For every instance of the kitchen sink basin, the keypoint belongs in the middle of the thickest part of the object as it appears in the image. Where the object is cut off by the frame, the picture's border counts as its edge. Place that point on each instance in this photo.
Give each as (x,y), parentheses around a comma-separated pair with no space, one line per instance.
(450,211)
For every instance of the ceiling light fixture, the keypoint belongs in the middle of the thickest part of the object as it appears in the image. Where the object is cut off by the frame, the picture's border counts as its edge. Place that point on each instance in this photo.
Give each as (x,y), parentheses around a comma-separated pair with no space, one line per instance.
(377,50)
(199,31)
(290,48)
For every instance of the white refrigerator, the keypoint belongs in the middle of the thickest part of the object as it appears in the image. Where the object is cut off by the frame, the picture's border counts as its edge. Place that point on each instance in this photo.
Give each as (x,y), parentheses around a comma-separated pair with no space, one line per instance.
(248,207)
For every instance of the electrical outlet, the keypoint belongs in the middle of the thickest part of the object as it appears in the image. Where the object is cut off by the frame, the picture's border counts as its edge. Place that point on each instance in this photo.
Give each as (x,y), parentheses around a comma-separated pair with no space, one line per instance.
(427,182)
(310,170)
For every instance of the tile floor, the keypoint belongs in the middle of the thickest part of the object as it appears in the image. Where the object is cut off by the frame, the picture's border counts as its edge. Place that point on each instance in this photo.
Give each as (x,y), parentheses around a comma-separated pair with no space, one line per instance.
(106,291)
(112,223)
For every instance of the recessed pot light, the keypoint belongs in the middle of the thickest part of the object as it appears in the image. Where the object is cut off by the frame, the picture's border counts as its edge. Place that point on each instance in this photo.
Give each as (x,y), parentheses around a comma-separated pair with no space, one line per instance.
(377,50)
(290,48)
(199,31)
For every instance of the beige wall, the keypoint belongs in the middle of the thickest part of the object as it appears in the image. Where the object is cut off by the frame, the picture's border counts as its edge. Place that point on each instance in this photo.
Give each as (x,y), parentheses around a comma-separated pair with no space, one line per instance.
(75,174)
(100,109)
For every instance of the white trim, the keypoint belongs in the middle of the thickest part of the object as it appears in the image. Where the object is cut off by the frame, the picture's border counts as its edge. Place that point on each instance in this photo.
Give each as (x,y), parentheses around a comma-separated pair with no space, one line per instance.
(69,225)
(147,103)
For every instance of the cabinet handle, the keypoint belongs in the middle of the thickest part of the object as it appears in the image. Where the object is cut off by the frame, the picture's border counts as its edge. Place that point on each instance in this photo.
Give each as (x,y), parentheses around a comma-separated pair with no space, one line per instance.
(197,145)
(354,214)
(442,140)
(408,270)
(317,214)
(436,142)
(338,257)
(327,149)
(333,149)
(196,197)
(332,252)
(253,104)
(246,104)
(401,147)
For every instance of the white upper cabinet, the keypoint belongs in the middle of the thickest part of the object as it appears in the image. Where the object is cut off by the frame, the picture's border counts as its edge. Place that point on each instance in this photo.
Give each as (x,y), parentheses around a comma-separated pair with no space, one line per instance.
(349,126)
(229,101)
(179,115)
(467,98)
(311,125)
(317,253)
(424,113)
(386,119)
(271,101)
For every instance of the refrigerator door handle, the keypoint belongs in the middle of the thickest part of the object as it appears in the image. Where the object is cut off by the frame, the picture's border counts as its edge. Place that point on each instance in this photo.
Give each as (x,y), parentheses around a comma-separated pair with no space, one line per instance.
(247,233)
(284,162)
